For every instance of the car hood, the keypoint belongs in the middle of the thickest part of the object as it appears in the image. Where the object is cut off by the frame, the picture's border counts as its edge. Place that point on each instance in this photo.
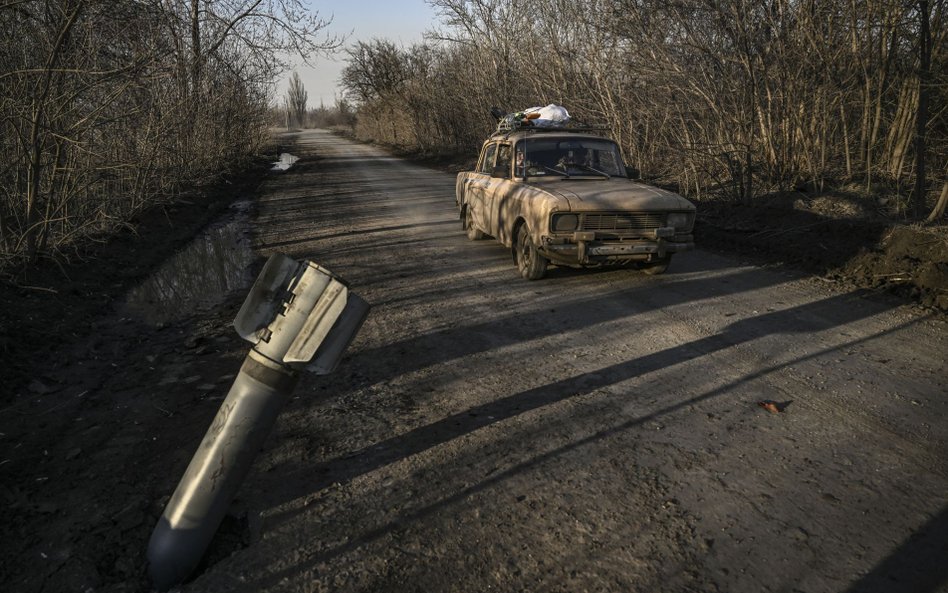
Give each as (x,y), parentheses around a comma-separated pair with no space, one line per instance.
(614,194)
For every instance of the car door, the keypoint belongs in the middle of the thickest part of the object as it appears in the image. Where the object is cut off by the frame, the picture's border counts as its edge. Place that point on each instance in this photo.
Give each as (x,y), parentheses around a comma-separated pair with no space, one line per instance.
(498,190)
(478,187)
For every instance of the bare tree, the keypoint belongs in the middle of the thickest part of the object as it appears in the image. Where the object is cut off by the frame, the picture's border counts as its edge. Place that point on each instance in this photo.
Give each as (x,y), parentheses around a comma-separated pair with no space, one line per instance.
(375,77)
(730,97)
(941,205)
(921,117)
(296,99)
(99,101)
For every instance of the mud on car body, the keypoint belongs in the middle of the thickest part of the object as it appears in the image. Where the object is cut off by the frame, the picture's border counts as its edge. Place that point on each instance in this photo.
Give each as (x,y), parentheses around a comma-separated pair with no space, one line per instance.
(561,195)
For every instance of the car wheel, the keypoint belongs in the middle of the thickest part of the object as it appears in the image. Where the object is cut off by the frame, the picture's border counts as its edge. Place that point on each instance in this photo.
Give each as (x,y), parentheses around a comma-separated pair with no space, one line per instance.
(531,264)
(473,233)
(657,267)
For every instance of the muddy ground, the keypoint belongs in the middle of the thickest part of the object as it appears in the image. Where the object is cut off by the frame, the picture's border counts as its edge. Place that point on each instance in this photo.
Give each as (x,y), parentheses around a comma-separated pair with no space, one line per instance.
(596,431)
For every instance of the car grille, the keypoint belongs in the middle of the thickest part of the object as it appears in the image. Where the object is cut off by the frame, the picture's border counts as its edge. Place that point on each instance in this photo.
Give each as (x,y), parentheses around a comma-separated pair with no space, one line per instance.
(621,221)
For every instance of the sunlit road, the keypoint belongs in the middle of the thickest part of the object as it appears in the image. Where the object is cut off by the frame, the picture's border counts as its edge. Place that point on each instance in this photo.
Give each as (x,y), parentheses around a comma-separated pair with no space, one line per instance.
(595,430)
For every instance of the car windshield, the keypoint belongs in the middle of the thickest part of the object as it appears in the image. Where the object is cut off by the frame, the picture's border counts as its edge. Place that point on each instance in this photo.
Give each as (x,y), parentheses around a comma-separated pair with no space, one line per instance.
(568,157)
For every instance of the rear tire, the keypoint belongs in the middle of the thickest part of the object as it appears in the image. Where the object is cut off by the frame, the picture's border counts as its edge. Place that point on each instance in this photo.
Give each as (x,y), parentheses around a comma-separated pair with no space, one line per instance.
(473,233)
(657,267)
(531,264)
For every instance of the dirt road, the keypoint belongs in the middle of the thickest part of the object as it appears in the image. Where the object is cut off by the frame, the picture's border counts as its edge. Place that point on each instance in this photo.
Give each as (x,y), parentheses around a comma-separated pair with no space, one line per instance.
(593,431)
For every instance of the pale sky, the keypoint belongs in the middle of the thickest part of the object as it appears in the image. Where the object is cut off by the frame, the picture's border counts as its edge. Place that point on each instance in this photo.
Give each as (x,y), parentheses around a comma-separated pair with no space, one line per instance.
(400,21)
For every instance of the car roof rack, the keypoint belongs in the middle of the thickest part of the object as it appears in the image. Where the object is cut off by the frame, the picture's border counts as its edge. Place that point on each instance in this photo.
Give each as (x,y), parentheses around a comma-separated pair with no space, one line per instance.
(508,125)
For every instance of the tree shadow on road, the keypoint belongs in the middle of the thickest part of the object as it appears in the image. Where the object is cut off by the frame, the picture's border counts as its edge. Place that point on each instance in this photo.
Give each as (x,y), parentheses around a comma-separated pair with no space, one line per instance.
(812,317)
(806,318)
(919,565)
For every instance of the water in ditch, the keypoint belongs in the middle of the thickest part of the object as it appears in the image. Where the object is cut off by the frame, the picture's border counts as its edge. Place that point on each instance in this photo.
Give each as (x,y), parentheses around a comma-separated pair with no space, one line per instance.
(286,161)
(201,276)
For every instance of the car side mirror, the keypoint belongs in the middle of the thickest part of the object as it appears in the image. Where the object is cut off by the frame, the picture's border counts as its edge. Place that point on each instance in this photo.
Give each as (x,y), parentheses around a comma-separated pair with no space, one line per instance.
(500,171)
(633,173)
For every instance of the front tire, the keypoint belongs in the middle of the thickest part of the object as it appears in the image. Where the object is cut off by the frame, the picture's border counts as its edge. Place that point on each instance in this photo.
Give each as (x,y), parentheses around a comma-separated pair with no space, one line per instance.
(473,233)
(656,267)
(531,264)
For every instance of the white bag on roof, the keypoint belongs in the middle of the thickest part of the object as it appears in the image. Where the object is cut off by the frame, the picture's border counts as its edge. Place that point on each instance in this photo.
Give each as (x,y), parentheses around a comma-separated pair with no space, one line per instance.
(551,115)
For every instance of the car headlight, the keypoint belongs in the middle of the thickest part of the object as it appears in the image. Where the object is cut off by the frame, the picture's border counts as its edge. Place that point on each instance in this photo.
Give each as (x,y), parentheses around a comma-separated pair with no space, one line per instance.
(565,222)
(680,220)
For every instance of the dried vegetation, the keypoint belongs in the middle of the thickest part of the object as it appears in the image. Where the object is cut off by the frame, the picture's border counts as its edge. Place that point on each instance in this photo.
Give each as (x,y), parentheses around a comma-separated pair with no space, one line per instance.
(719,98)
(108,108)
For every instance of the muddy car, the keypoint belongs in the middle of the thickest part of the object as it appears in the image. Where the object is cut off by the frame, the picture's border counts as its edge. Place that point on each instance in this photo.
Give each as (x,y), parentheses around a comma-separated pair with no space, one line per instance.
(562,195)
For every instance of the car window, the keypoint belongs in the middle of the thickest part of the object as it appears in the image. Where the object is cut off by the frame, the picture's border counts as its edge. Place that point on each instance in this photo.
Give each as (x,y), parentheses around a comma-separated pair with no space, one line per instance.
(503,157)
(488,161)
(572,156)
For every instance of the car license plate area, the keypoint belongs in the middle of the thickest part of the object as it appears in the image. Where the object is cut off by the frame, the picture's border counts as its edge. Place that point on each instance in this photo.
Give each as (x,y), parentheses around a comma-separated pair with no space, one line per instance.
(630,249)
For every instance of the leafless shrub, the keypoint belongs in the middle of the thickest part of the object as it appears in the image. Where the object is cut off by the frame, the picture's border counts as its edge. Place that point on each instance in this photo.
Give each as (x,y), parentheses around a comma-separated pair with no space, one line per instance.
(729,97)
(109,107)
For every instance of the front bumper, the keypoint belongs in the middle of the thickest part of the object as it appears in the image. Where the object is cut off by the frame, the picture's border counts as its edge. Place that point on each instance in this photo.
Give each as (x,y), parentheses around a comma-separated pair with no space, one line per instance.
(584,248)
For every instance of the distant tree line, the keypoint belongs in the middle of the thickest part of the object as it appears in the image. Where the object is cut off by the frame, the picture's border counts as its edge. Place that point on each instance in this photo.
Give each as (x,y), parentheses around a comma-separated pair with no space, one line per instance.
(295,114)
(737,97)
(108,107)
(341,116)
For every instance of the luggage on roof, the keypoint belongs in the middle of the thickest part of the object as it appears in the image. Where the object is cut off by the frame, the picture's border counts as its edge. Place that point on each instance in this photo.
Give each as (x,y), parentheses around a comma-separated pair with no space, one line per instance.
(537,119)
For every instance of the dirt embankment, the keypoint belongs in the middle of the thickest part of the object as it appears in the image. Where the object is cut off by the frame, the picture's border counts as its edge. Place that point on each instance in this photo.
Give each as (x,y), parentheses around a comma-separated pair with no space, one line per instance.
(79,451)
(865,251)
(51,303)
